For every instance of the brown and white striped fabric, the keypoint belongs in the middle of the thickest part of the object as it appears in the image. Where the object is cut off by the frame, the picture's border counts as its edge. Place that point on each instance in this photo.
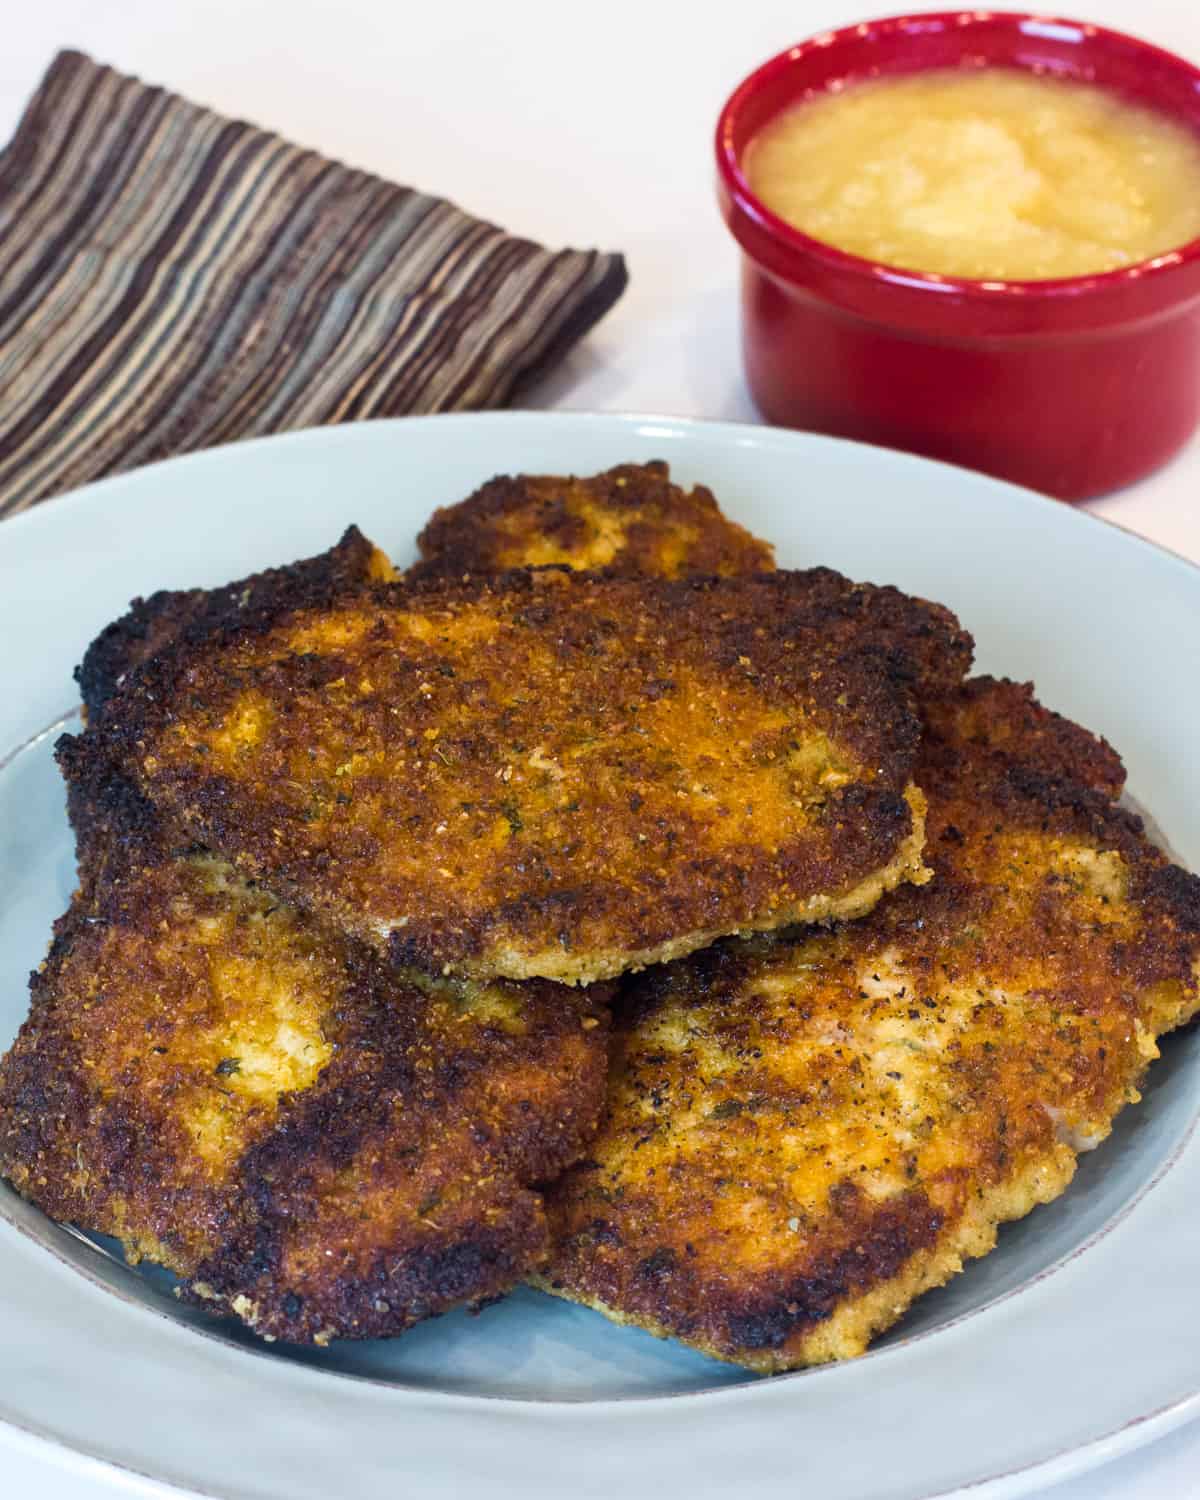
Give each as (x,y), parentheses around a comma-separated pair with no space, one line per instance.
(171,279)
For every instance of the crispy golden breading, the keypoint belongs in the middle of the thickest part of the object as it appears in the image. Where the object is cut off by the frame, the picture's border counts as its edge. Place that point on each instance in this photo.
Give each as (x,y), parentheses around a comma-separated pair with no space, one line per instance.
(630,520)
(149,625)
(676,535)
(550,774)
(804,1132)
(311,1141)
(1006,718)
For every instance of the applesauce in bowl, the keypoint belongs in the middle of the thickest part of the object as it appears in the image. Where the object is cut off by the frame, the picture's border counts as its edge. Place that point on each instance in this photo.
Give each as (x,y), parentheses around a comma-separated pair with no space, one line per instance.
(990,173)
(1072,383)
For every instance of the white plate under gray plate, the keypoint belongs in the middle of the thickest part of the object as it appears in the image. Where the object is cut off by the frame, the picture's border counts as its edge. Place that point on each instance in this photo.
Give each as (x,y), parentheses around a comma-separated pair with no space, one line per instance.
(1074,1341)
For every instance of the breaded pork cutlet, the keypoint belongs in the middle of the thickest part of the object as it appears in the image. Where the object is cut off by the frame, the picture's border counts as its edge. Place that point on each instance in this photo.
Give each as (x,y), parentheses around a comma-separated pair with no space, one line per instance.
(806,1131)
(554,521)
(312,1142)
(1006,719)
(629,520)
(149,625)
(549,774)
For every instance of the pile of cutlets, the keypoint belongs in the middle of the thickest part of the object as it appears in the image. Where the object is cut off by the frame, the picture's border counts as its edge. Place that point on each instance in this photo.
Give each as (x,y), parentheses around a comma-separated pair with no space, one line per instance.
(593,905)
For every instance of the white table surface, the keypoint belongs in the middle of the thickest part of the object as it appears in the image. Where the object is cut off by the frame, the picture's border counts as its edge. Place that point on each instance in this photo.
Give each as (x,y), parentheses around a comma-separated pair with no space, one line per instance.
(575,125)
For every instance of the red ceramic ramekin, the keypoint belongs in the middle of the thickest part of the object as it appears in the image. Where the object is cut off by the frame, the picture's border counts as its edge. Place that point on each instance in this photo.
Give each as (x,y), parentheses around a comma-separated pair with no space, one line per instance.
(1073,387)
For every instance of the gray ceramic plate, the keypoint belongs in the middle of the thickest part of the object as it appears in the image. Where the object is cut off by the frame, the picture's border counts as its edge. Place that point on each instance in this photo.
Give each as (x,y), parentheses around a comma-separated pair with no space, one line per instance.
(1075,1340)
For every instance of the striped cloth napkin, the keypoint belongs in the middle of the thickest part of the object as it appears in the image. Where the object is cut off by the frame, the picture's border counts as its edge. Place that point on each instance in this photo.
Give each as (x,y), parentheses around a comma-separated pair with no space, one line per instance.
(171,279)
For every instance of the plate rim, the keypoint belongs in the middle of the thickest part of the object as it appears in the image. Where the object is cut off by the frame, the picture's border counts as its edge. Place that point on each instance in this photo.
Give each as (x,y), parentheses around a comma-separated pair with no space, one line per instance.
(750,434)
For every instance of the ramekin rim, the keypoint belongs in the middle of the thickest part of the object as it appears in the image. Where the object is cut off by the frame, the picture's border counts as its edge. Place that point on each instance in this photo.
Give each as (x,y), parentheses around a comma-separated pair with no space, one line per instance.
(746,201)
